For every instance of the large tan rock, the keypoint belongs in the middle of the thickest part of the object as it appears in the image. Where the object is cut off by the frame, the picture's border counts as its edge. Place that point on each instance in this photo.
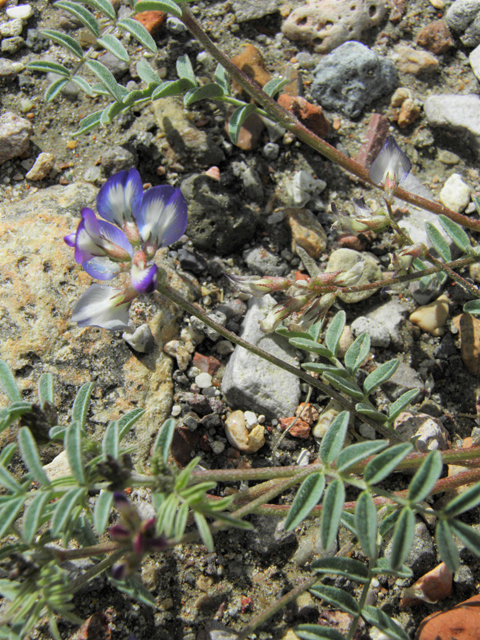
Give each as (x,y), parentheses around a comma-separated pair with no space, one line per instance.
(460,623)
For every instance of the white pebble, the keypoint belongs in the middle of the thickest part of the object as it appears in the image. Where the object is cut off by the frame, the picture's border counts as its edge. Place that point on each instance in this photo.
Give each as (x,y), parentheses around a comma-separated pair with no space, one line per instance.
(203,380)
(455,193)
(250,419)
(176,410)
(21,12)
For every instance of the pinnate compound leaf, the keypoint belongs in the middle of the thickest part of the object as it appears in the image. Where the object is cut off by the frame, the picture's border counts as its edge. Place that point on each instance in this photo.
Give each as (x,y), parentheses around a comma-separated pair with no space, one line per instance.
(106,78)
(103,507)
(425,478)
(353,569)
(464,502)
(338,597)
(317,632)
(64,507)
(438,241)
(9,513)
(468,535)
(77,11)
(31,457)
(7,383)
(473,307)
(32,518)
(403,537)
(237,120)
(348,388)
(273,86)
(366,524)
(49,67)
(204,530)
(382,566)
(139,32)
(383,464)
(164,439)
(399,405)
(446,545)
(334,439)
(332,512)
(171,88)
(82,401)
(358,452)
(456,233)
(104,6)
(89,122)
(309,345)
(126,422)
(168,6)
(357,353)
(65,41)
(381,374)
(307,497)
(185,70)
(379,619)
(73,448)
(335,330)
(55,88)
(114,46)
(45,388)
(210,91)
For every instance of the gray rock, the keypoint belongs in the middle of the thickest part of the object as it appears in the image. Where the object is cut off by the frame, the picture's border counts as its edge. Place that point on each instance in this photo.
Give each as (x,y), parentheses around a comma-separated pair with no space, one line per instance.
(264,263)
(141,339)
(391,315)
(252,185)
(404,379)
(12,45)
(459,114)
(218,317)
(474,59)
(192,261)
(345,259)
(15,134)
(36,41)
(250,382)
(117,159)
(464,582)
(379,333)
(11,29)
(116,66)
(245,10)
(174,25)
(351,77)
(464,17)
(446,348)
(217,220)
(93,175)
(422,556)
(268,536)
(9,69)
(271,150)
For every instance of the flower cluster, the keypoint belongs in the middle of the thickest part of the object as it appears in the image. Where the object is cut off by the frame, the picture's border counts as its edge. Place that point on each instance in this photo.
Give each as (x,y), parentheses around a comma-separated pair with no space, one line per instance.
(135,225)
(139,535)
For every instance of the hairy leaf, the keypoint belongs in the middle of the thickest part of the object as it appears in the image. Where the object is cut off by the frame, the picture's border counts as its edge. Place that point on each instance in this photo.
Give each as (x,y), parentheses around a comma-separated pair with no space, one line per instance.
(358,452)
(311,346)
(185,69)
(425,478)
(89,122)
(473,307)
(273,86)
(399,405)
(353,569)
(379,619)
(237,120)
(367,410)
(338,597)
(171,88)
(146,72)
(222,78)
(9,513)
(382,566)
(456,233)
(7,383)
(381,374)
(135,590)
(335,330)
(307,497)
(110,442)
(357,353)
(349,388)
(8,481)
(388,522)
(210,91)
(114,46)
(366,524)
(80,13)
(64,508)
(332,512)
(467,500)
(55,88)
(49,67)
(73,448)
(35,514)
(403,537)
(468,535)
(383,464)
(446,545)
(139,32)
(204,530)
(126,422)
(82,400)
(65,41)
(164,438)
(438,242)
(106,78)
(103,507)
(29,452)
(333,440)
(45,388)
(168,6)
(104,6)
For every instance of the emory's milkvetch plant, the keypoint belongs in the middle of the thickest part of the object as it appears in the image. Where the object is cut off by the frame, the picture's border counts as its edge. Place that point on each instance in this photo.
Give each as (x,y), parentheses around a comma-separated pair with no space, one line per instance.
(44,522)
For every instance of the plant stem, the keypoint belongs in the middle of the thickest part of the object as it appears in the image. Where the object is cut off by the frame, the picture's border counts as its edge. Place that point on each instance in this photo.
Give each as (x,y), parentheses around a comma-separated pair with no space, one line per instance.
(318,384)
(290,122)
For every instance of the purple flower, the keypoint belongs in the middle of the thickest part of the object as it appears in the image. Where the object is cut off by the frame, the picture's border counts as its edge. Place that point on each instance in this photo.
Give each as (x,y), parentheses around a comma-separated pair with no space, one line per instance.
(390,167)
(134,226)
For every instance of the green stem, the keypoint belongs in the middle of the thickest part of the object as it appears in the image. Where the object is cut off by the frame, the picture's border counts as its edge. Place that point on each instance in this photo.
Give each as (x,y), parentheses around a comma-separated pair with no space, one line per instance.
(290,122)
(318,384)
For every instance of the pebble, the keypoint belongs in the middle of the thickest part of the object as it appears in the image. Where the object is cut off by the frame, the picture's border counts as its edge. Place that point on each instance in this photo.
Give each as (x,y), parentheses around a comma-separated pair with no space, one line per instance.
(20,12)
(15,134)
(412,61)
(177,349)
(326,418)
(192,261)
(117,159)
(346,340)
(93,175)
(469,329)
(463,16)
(58,467)
(151,20)
(250,419)
(459,114)
(70,89)
(252,185)
(432,317)
(327,24)
(176,26)
(42,166)
(11,29)
(391,314)
(265,263)
(224,347)
(116,66)
(379,332)
(251,382)
(252,10)
(300,429)
(303,187)
(455,193)
(306,231)
(447,157)
(203,380)
(9,68)
(461,622)
(474,59)
(311,115)
(351,77)
(433,586)
(240,437)
(430,434)
(251,61)
(12,45)
(409,112)
(271,151)
(435,37)
(404,379)
(345,259)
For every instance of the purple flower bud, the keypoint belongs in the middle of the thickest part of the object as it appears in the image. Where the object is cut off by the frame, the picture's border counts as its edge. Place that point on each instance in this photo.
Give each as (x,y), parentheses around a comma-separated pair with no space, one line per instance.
(119,571)
(120,533)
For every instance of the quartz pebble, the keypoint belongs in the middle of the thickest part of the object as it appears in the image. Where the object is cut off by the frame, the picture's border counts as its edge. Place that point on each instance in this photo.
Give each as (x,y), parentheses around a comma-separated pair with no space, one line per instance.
(240,437)
(432,317)
(303,187)
(455,193)
(20,12)
(429,433)
(433,586)
(15,134)
(203,380)
(42,167)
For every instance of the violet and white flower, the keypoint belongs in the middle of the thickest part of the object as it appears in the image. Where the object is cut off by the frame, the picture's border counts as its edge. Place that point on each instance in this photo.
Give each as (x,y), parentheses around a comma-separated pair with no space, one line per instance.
(391,166)
(134,226)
